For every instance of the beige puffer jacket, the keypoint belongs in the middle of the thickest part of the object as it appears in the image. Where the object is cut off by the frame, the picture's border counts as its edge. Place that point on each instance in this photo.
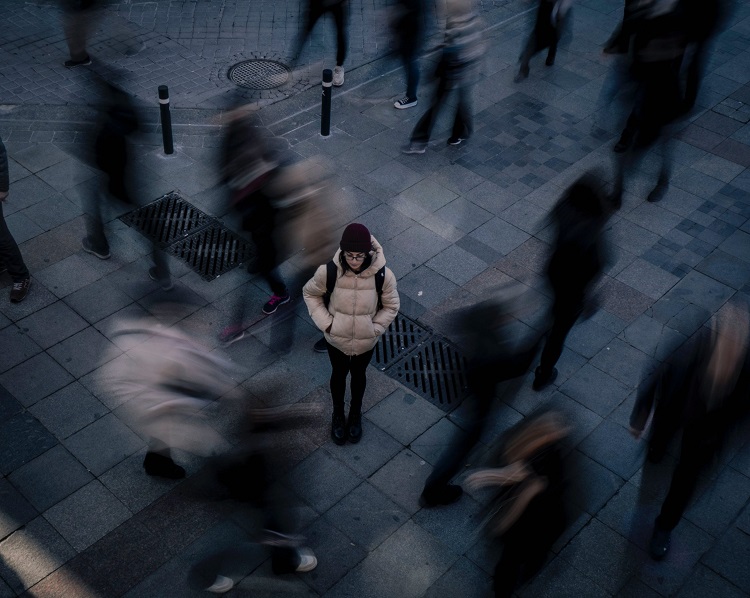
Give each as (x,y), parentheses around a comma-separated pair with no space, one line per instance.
(352,313)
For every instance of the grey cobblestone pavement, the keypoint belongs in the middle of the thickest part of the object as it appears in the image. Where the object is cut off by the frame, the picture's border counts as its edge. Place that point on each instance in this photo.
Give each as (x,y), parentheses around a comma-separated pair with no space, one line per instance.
(77,515)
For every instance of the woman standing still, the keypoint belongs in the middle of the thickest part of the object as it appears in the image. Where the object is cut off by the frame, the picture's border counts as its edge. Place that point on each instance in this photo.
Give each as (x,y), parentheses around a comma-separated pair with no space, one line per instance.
(353,319)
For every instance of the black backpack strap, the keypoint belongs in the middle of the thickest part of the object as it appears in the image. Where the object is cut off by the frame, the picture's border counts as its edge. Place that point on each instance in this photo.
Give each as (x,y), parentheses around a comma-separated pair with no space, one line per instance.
(331,271)
(379,280)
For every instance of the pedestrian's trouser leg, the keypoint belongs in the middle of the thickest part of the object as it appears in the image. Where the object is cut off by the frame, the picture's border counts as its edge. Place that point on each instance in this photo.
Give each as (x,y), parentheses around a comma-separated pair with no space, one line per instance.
(95,222)
(423,129)
(358,369)
(342,39)
(340,364)
(10,255)
(462,124)
(564,320)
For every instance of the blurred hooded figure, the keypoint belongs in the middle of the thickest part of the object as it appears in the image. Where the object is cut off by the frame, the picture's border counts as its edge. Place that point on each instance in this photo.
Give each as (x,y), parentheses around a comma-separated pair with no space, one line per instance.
(529,511)
(550,17)
(578,257)
(457,70)
(167,381)
(497,355)
(659,41)
(408,29)
(703,390)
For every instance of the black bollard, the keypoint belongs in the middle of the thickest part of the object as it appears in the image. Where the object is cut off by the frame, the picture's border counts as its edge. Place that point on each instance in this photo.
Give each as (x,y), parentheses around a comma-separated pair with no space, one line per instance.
(166,119)
(325,111)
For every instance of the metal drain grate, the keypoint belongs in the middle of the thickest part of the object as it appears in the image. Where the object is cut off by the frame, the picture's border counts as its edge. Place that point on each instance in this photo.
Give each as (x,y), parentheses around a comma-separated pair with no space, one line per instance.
(259,74)
(167,219)
(400,337)
(212,251)
(436,371)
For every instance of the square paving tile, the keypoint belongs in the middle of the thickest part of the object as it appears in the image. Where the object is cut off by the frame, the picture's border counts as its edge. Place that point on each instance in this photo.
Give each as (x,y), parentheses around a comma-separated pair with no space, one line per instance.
(402,479)
(652,337)
(625,363)
(68,410)
(103,513)
(463,580)
(596,390)
(21,563)
(22,438)
(404,415)
(367,456)
(702,291)
(367,516)
(68,275)
(730,558)
(50,325)
(499,235)
(39,156)
(15,510)
(395,176)
(17,347)
(420,242)
(84,352)
(426,287)
(50,477)
(321,480)
(103,444)
(98,300)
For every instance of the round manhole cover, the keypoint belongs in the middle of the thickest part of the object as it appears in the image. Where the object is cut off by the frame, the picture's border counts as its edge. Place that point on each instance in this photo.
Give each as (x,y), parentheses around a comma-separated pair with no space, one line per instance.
(259,74)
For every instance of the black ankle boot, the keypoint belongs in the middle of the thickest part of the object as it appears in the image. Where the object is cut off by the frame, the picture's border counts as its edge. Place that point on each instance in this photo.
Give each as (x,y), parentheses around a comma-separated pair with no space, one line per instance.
(162,466)
(354,427)
(338,429)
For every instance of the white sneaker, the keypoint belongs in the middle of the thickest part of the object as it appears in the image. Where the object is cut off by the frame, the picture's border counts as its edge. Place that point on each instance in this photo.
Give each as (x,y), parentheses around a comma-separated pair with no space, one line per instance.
(221,585)
(338,76)
(405,102)
(307,560)
(414,148)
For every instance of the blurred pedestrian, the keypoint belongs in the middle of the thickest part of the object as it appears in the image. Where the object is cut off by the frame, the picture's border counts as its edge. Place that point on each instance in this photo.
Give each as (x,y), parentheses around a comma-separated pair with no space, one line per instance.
(659,41)
(703,390)
(457,70)
(408,29)
(248,169)
(497,355)
(619,41)
(529,511)
(248,471)
(352,317)
(703,19)
(578,258)
(114,158)
(78,21)
(339,10)
(550,17)
(11,259)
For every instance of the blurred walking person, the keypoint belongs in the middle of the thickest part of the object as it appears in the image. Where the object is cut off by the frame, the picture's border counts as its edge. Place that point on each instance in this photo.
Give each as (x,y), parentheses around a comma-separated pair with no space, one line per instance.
(550,17)
(11,260)
(408,29)
(529,511)
(339,10)
(360,304)
(114,158)
(497,355)
(78,21)
(704,18)
(659,41)
(578,257)
(457,70)
(703,390)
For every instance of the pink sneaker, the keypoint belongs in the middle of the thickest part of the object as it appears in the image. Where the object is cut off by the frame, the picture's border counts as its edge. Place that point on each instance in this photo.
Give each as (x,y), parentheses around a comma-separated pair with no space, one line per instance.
(274,302)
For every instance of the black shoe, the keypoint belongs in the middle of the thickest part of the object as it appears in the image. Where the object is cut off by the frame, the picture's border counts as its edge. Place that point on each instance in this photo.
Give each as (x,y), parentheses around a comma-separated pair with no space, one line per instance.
(166,284)
(550,61)
(659,545)
(321,346)
(162,466)
(621,146)
(354,428)
(19,290)
(102,253)
(273,303)
(541,380)
(446,496)
(338,429)
(658,192)
(74,63)
(522,74)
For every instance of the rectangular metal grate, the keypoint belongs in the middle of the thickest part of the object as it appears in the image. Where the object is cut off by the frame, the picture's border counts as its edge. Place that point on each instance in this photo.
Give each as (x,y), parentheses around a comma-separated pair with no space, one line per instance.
(400,337)
(212,251)
(168,219)
(436,371)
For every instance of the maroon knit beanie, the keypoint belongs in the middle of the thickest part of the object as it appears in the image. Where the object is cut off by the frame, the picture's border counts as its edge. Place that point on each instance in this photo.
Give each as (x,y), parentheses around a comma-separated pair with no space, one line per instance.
(356,238)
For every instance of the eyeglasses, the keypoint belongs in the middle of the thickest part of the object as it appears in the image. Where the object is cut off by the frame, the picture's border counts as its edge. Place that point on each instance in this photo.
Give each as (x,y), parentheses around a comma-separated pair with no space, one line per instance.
(355,258)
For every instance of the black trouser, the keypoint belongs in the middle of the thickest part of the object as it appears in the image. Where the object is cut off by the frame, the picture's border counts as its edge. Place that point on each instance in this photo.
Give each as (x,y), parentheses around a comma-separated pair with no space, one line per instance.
(697,450)
(10,255)
(316,10)
(565,313)
(342,365)
(462,123)
(409,49)
(266,258)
